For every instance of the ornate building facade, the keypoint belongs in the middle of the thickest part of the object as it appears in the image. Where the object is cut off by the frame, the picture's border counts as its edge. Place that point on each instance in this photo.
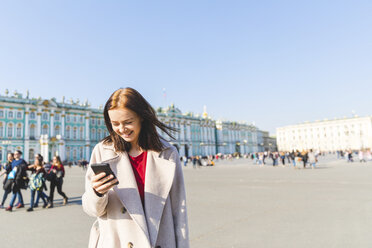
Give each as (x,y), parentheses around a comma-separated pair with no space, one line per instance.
(71,130)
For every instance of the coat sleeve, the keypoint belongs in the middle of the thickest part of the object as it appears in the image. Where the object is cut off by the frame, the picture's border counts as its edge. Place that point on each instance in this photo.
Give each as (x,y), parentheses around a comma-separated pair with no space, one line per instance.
(178,202)
(93,204)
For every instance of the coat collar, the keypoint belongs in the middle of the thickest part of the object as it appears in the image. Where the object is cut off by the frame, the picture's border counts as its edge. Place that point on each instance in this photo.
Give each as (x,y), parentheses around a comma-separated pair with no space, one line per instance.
(158,182)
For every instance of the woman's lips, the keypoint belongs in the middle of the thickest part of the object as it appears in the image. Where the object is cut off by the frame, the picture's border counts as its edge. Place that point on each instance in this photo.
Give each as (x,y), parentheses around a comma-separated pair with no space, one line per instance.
(127,135)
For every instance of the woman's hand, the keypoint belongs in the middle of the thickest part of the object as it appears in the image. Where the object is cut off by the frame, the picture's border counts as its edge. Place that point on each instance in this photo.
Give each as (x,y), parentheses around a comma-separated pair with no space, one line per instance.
(100,184)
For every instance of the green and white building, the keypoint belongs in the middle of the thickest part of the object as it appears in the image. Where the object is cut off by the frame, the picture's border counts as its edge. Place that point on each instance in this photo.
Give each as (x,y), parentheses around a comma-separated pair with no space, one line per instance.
(71,130)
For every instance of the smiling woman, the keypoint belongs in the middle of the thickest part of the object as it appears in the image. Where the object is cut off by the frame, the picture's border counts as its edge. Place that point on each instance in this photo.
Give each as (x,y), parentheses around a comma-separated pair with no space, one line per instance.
(147,208)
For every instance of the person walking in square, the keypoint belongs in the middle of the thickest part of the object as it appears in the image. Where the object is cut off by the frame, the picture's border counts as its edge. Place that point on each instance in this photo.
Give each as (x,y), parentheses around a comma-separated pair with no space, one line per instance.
(147,208)
(7,183)
(19,177)
(37,181)
(56,174)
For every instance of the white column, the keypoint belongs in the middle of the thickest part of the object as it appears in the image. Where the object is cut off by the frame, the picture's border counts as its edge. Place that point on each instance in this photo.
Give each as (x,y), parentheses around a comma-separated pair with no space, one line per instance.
(188,132)
(38,126)
(27,128)
(52,123)
(87,138)
(63,124)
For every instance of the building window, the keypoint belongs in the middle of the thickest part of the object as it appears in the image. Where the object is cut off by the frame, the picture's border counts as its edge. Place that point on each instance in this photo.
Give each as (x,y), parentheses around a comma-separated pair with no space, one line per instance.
(68,118)
(45,116)
(57,130)
(1,130)
(19,115)
(93,121)
(10,130)
(31,154)
(93,134)
(81,119)
(81,133)
(19,130)
(57,117)
(10,115)
(81,152)
(67,132)
(1,154)
(32,131)
(74,154)
(74,135)
(99,122)
(99,134)
(74,118)
(32,116)
(68,153)
(1,113)
(45,129)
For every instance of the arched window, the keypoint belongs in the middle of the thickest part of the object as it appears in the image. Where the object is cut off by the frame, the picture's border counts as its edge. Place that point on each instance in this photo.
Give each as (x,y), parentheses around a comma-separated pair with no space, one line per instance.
(19,130)
(10,130)
(68,132)
(93,134)
(45,129)
(74,135)
(32,131)
(32,116)
(81,152)
(68,153)
(74,154)
(1,130)
(81,132)
(31,154)
(45,116)
(57,130)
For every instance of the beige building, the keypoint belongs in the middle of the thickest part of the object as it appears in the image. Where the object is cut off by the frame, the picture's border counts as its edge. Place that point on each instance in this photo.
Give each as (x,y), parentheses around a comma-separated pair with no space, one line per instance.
(328,135)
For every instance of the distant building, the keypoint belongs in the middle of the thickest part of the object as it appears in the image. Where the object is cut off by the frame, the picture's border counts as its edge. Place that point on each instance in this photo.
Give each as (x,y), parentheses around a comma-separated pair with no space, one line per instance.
(328,135)
(72,129)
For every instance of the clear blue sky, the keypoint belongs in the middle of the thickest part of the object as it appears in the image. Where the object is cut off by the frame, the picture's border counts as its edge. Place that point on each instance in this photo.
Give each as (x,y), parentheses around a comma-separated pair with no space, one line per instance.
(274,63)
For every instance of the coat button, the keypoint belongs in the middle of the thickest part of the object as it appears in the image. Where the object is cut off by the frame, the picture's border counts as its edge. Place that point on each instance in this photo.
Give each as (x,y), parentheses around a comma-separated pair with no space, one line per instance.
(124,210)
(130,245)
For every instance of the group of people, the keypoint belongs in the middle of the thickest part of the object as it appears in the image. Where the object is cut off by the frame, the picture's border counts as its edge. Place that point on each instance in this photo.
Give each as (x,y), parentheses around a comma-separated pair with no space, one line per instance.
(364,155)
(19,175)
(296,158)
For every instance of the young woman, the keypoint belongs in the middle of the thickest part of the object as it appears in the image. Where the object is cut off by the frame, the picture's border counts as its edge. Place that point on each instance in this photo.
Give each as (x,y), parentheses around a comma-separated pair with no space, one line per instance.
(57,172)
(148,207)
(7,183)
(37,181)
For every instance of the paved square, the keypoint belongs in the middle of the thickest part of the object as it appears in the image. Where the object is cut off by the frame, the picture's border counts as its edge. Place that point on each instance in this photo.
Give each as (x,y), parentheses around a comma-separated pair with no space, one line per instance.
(234,204)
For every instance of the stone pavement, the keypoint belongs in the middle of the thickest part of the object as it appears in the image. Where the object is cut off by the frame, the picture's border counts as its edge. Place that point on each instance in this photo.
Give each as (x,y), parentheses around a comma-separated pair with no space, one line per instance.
(235,204)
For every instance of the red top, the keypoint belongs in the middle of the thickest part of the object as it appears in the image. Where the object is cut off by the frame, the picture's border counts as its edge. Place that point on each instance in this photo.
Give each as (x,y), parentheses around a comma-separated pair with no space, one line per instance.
(139,169)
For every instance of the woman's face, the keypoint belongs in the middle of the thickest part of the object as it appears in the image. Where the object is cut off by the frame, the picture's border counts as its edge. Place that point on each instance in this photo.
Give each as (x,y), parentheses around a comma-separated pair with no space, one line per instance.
(10,157)
(126,123)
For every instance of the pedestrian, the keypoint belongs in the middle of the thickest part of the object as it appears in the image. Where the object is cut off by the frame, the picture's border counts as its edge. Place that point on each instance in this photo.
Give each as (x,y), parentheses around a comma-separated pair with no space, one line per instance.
(20,180)
(37,182)
(140,211)
(56,180)
(7,183)
(312,159)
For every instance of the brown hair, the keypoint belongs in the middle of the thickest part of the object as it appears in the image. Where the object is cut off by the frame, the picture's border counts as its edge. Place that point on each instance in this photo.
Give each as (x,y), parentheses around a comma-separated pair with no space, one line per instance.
(149,138)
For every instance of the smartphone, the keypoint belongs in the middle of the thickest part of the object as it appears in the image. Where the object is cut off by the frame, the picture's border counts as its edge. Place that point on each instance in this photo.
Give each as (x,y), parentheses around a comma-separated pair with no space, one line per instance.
(104,167)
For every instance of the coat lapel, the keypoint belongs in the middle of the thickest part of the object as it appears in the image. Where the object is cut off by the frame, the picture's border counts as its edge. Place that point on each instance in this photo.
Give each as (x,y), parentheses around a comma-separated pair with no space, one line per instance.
(158,182)
(127,190)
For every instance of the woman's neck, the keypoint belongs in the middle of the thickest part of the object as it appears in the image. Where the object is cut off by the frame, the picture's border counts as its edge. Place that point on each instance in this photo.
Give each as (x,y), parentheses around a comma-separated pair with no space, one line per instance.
(135,150)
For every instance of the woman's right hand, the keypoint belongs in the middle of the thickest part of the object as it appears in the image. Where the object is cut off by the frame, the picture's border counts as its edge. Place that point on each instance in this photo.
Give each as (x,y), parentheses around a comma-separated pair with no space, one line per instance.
(100,184)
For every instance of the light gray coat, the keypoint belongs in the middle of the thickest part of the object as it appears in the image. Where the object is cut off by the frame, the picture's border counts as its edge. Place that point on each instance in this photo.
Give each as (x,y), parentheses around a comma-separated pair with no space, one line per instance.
(121,219)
